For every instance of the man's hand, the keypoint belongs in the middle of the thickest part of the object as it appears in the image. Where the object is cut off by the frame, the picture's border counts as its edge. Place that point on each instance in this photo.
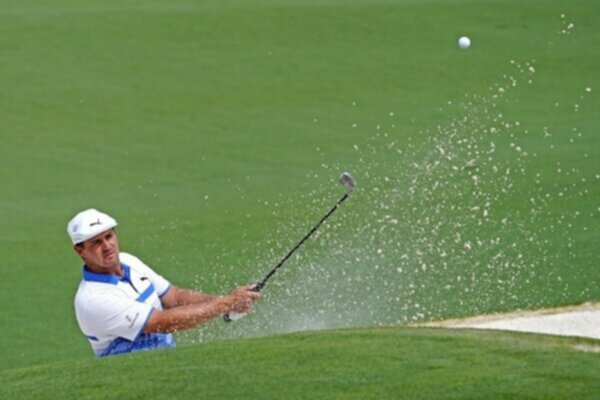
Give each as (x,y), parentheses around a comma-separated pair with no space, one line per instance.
(242,299)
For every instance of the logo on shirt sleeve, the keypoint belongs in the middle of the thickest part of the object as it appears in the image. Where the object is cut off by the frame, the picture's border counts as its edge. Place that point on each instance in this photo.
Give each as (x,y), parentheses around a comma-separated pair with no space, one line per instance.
(131,319)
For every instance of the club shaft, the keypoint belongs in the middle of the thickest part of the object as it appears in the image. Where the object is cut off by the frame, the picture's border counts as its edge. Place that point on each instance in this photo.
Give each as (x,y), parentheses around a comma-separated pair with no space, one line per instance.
(263,282)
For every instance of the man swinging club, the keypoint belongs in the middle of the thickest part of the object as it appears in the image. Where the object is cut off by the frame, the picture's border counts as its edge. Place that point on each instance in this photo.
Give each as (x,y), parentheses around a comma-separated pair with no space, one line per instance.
(123,306)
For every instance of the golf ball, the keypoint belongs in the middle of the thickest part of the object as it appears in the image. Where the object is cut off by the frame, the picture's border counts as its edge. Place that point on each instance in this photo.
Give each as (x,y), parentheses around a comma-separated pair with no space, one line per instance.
(464,42)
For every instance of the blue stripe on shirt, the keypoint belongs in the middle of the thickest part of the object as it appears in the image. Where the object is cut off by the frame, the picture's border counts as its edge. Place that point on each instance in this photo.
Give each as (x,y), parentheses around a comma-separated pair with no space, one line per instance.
(145,341)
(147,293)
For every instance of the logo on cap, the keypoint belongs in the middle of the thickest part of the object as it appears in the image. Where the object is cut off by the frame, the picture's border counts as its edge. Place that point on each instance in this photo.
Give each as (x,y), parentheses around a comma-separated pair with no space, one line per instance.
(87,224)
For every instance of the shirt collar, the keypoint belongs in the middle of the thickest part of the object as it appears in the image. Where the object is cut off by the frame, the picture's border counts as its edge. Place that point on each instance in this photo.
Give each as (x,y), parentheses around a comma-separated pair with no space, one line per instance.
(107,278)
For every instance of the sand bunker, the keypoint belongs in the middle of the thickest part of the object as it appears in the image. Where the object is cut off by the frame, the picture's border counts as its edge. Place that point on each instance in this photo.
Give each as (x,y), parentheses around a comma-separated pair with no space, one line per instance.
(582,321)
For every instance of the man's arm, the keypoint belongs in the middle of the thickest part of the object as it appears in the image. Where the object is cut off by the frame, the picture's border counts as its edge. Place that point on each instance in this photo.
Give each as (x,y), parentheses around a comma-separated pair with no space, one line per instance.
(177,297)
(190,315)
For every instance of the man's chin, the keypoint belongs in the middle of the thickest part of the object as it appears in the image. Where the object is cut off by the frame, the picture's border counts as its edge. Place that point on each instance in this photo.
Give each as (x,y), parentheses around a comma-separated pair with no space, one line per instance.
(111,259)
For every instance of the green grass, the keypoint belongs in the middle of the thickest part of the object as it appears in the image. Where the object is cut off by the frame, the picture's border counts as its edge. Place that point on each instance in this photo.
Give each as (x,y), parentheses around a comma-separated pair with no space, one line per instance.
(374,363)
(214,132)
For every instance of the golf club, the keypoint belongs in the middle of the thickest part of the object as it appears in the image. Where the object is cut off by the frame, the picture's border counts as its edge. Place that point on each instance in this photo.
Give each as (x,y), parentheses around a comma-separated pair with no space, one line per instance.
(348,182)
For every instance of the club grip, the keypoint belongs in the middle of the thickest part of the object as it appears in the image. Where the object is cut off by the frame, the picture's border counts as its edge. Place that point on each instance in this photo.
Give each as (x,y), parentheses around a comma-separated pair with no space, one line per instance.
(233,316)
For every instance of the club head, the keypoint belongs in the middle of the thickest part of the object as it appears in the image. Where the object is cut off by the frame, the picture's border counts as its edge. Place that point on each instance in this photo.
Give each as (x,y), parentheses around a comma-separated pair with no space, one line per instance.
(348,182)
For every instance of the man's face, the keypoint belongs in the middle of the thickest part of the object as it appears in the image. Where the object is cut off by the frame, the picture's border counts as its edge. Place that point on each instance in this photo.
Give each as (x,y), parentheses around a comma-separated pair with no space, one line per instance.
(101,251)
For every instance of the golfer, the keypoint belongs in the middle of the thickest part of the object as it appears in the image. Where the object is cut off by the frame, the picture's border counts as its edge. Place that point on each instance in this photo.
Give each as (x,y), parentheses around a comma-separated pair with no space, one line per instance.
(123,306)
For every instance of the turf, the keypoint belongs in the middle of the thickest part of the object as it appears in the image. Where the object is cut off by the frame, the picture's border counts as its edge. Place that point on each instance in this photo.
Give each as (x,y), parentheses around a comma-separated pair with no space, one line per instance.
(214,132)
(375,363)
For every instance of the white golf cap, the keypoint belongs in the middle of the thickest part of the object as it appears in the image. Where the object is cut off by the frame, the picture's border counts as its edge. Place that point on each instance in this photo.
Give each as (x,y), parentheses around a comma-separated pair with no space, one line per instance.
(88,224)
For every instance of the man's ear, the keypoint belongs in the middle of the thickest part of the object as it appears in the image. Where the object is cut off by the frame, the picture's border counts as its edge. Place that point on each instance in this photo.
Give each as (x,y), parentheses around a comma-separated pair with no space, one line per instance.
(78,249)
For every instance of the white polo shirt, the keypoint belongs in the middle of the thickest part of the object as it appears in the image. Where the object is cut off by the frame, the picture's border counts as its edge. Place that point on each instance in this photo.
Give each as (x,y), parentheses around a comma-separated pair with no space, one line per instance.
(112,310)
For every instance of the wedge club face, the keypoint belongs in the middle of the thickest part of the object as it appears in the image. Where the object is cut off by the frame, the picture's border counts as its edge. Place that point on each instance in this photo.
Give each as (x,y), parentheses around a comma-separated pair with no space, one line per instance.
(348,182)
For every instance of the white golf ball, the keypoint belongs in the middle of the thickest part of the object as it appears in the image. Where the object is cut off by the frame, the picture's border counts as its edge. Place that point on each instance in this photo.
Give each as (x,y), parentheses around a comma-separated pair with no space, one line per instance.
(464,42)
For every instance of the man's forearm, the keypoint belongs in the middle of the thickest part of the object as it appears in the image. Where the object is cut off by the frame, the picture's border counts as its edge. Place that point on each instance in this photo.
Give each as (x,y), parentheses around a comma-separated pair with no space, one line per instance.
(177,297)
(193,297)
(188,316)
(197,308)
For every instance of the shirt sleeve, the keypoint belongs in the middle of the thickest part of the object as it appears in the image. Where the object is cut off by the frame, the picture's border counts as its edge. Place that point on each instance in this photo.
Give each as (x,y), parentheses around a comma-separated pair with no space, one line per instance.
(118,316)
(160,284)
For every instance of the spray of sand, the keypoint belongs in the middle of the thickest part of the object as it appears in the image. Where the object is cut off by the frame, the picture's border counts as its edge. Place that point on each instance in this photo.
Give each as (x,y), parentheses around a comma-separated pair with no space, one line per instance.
(436,228)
